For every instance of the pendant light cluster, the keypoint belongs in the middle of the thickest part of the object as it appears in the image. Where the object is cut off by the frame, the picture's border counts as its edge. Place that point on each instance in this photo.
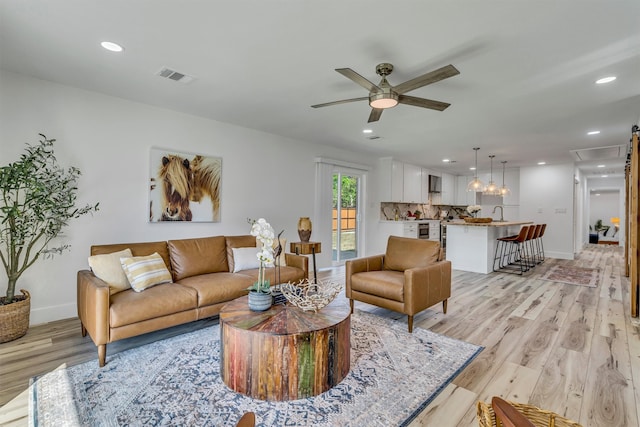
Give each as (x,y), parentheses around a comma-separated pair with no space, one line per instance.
(491,189)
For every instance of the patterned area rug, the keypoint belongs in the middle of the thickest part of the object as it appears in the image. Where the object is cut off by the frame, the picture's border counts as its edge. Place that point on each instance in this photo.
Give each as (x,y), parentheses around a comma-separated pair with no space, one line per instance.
(581,276)
(394,376)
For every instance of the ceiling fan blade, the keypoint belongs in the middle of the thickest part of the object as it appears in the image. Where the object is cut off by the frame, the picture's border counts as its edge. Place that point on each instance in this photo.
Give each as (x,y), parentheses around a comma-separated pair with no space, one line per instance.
(352,75)
(426,79)
(422,102)
(375,114)
(343,101)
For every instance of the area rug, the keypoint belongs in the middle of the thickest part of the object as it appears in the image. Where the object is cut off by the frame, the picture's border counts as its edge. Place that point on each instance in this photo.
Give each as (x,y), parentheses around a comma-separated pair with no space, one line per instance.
(573,275)
(176,382)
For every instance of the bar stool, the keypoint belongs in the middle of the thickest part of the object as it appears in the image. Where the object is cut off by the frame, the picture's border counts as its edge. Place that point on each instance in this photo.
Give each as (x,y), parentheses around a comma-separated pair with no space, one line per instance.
(539,242)
(512,251)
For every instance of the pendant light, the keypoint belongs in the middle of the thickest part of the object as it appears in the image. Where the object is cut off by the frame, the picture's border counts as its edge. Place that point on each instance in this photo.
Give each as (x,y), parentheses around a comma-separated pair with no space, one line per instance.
(491,189)
(476,185)
(504,190)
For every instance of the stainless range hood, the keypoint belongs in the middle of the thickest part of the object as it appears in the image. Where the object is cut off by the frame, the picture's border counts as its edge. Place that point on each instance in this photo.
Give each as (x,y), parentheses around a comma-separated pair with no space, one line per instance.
(435,184)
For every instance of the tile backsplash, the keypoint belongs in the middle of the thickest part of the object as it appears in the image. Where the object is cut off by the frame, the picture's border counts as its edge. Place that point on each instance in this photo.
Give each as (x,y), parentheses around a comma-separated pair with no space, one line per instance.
(388,211)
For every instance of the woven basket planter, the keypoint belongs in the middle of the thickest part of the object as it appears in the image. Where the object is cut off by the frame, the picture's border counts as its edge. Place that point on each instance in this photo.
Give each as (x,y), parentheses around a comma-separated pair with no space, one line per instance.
(539,417)
(14,318)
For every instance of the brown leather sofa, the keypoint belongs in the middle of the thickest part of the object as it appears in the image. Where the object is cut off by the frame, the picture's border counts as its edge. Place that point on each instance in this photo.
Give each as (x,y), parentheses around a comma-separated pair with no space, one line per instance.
(203,282)
(410,277)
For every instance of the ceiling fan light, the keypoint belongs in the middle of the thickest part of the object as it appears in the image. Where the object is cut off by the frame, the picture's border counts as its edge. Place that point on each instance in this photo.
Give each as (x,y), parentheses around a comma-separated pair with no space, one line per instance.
(383,100)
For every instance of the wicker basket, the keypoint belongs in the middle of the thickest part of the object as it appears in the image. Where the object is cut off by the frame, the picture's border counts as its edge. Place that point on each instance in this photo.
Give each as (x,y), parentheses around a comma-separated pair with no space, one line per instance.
(14,318)
(478,220)
(539,417)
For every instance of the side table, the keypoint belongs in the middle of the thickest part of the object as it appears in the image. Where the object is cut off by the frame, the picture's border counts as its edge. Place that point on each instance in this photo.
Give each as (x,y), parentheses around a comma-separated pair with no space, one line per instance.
(307,248)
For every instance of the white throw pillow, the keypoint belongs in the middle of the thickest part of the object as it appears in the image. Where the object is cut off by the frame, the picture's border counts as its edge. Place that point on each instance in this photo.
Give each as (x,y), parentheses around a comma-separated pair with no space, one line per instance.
(107,267)
(144,272)
(245,258)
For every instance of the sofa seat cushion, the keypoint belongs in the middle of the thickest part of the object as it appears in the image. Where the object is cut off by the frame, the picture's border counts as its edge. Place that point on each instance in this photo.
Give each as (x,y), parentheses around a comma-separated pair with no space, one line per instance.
(386,284)
(287,274)
(129,307)
(218,287)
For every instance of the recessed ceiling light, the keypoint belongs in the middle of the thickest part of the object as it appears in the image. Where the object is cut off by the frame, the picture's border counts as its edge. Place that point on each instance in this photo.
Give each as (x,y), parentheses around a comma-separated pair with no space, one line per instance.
(601,166)
(593,132)
(604,176)
(472,168)
(113,47)
(604,80)
(597,194)
(542,163)
(367,131)
(446,160)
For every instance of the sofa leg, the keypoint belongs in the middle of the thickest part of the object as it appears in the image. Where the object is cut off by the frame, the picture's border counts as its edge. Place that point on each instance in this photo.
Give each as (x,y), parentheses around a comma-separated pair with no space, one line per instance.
(83,330)
(351,305)
(444,306)
(102,354)
(410,322)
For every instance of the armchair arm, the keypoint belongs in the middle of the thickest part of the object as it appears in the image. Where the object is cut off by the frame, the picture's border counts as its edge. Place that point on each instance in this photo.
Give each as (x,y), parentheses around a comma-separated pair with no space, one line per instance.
(424,287)
(299,261)
(93,306)
(360,265)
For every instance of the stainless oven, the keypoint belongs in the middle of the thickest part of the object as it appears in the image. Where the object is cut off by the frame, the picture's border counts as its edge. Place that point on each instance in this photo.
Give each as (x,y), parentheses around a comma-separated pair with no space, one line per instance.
(423,230)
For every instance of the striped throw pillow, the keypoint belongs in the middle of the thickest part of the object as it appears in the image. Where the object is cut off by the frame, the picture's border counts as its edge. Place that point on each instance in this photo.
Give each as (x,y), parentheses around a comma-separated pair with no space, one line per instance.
(144,272)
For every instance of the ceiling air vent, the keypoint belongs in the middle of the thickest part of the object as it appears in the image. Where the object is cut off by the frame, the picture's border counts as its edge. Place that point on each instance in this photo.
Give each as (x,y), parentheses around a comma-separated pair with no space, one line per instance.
(600,153)
(372,137)
(174,75)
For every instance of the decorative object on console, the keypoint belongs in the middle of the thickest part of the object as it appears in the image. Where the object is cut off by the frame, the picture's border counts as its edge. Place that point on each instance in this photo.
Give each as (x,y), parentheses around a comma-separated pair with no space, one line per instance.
(184,187)
(304,228)
(38,199)
(310,296)
(260,298)
(476,185)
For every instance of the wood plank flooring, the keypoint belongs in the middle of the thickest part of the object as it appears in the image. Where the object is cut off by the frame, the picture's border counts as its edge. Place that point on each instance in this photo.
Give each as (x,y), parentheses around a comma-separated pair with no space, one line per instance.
(570,349)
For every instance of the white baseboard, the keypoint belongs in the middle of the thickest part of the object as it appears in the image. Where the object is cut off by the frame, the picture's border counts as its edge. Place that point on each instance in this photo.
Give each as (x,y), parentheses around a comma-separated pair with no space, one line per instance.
(559,255)
(52,313)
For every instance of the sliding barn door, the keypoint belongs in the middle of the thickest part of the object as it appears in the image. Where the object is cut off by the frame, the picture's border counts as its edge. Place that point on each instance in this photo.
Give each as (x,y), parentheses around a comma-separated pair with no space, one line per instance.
(633,242)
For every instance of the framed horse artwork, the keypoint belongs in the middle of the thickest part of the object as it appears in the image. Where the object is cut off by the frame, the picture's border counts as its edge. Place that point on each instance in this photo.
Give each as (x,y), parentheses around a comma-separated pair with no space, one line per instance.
(184,186)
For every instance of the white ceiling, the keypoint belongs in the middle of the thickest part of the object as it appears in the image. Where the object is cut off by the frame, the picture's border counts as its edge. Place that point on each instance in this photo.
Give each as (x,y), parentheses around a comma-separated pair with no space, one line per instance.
(525,91)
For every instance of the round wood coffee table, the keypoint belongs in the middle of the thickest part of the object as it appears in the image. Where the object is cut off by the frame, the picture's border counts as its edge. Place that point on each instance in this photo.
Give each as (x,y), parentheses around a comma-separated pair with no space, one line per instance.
(283,353)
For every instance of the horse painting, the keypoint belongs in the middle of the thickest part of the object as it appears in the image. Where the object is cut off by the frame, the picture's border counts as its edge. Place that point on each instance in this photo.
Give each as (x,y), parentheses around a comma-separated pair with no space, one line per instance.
(176,176)
(189,187)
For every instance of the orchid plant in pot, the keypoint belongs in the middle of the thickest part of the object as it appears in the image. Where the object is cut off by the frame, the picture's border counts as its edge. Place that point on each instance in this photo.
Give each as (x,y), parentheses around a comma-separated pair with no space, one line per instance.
(260,298)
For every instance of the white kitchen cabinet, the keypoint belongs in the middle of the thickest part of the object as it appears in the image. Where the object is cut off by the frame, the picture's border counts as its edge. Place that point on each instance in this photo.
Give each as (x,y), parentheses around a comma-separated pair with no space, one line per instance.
(412,184)
(424,179)
(464,197)
(448,191)
(391,184)
(410,230)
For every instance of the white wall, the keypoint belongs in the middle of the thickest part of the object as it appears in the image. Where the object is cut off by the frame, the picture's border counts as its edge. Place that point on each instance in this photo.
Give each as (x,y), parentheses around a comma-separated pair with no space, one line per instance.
(109,139)
(546,196)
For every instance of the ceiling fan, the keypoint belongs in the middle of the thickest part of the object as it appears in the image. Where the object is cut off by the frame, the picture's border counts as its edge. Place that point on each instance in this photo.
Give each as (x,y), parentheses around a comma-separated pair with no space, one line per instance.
(383,95)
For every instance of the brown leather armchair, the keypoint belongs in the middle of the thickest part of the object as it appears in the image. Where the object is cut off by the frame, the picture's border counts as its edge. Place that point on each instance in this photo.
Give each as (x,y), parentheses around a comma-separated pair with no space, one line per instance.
(410,277)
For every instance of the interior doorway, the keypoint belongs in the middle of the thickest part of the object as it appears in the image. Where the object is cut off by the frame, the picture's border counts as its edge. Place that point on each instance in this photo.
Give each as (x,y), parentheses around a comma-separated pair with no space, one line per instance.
(346,215)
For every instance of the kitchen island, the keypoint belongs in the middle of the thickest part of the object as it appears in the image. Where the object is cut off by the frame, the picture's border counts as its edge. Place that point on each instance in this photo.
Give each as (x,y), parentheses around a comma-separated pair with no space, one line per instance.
(472,246)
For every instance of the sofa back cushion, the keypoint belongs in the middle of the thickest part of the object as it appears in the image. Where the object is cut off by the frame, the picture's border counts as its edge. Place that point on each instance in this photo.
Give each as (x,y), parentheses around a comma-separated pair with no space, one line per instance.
(192,257)
(244,241)
(137,249)
(404,253)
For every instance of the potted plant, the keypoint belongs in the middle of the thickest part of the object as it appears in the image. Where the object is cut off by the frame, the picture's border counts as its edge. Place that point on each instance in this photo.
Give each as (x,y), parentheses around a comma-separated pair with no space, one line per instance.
(37,201)
(260,298)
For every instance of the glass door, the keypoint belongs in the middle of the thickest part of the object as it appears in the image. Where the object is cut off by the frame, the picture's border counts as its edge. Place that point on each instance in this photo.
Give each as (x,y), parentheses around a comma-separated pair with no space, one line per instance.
(346,216)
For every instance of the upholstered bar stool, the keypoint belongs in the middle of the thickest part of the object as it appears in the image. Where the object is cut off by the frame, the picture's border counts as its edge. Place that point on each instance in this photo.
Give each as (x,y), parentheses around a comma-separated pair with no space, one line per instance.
(539,242)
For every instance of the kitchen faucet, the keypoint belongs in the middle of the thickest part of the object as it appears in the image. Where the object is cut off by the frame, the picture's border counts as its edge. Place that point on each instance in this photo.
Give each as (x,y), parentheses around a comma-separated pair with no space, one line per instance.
(501,211)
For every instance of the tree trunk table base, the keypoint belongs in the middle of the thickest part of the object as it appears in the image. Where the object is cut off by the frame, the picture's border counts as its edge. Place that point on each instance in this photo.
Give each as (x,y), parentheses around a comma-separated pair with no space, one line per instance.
(283,353)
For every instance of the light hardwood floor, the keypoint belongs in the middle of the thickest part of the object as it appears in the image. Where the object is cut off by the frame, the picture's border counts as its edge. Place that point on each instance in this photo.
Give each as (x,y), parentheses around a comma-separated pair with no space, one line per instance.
(570,349)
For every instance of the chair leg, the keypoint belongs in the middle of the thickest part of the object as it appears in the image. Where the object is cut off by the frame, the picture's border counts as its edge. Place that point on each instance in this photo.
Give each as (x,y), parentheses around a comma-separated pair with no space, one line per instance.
(410,322)
(102,354)
(444,306)
(351,305)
